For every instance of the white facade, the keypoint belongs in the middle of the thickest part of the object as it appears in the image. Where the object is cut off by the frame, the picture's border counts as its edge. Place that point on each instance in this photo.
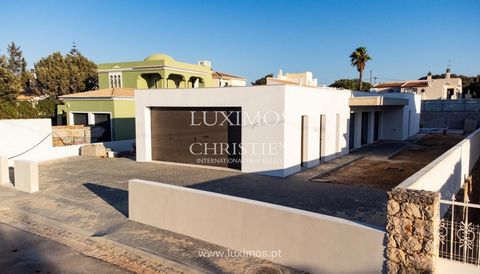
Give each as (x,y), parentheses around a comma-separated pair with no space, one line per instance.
(301,79)
(399,117)
(221,79)
(221,82)
(275,120)
(297,126)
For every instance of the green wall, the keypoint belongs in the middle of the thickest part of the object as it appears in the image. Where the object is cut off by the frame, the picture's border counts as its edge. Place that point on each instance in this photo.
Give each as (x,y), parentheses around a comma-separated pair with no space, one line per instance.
(122,114)
(157,63)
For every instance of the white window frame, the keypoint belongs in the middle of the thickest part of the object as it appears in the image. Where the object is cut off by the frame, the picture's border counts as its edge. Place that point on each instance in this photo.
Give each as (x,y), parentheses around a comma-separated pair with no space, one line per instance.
(115,74)
(91,119)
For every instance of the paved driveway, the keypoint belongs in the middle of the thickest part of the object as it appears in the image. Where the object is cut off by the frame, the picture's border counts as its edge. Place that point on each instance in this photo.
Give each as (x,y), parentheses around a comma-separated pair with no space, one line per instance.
(106,181)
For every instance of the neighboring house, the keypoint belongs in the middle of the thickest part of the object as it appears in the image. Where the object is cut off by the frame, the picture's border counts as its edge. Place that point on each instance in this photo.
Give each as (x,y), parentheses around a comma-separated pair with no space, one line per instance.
(429,89)
(110,110)
(301,79)
(156,71)
(112,106)
(274,130)
(221,79)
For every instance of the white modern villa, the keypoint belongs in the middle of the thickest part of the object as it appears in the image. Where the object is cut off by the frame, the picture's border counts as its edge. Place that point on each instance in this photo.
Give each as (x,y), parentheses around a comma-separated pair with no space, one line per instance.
(274,130)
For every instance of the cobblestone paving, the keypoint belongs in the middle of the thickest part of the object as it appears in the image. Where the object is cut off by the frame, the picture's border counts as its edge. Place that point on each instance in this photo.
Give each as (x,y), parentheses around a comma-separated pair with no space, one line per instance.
(91,194)
(105,181)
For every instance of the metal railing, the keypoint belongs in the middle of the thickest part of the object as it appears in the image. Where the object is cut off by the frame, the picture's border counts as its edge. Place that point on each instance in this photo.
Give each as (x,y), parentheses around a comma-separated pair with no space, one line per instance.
(460,231)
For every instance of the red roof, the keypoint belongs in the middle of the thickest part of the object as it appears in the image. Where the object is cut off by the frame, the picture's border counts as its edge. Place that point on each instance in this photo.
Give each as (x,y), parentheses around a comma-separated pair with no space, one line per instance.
(221,75)
(405,84)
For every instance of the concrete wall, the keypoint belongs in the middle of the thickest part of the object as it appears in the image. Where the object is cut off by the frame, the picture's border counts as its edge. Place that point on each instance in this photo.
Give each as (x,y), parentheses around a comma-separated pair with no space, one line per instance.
(313,102)
(446,266)
(409,116)
(31,139)
(447,173)
(308,241)
(396,122)
(449,113)
(20,135)
(289,102)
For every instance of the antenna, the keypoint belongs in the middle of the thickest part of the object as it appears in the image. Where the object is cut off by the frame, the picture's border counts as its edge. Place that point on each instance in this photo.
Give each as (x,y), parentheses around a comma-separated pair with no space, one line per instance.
(74,50)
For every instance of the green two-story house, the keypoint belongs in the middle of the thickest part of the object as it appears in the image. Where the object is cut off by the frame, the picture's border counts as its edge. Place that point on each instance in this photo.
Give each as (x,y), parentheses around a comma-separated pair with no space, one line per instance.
(112,107)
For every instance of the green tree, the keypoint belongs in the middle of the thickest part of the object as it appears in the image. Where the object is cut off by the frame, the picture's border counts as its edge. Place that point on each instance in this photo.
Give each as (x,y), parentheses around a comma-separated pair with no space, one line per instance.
(53,74)
(59,75)
(261,81)
(16,62)
(359,59)
(351,84)
(83,72)
(9,83)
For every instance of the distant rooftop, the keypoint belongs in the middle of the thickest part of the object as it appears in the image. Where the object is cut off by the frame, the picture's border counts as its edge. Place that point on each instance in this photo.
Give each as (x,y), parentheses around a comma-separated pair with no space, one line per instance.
(221,75)
(102,93)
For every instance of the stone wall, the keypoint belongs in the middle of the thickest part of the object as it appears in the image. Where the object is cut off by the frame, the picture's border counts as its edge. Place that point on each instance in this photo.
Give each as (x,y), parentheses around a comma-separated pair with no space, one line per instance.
(71,135)
(412,230)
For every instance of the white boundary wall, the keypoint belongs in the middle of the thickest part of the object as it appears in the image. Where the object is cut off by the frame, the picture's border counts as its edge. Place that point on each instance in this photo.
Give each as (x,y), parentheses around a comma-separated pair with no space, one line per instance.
(447,173)
(307,241)
(31,139)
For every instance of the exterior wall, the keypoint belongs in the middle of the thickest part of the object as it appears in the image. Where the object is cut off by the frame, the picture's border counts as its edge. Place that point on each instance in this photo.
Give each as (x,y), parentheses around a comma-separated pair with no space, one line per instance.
(447,173)
(302,79)
(266,101)
(396,122)
(437,88)
(313,102)
(445,266)
(122,114)
(229,82)
(24,135)
(413,231)
(305,240)
(123,120)
(401,124)
(449,113)
(34,137)
(162,64)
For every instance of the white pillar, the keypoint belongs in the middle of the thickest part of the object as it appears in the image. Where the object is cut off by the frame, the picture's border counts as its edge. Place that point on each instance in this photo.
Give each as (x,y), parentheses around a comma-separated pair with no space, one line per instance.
(357,138)
(26,176)
(371,126)
(4,171)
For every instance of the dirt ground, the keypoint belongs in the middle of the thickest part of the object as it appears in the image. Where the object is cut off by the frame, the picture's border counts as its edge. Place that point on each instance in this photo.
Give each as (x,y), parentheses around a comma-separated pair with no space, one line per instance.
(387,173)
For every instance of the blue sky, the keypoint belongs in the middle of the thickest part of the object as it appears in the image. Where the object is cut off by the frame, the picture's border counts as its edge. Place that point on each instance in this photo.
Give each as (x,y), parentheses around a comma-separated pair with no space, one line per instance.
(252,38)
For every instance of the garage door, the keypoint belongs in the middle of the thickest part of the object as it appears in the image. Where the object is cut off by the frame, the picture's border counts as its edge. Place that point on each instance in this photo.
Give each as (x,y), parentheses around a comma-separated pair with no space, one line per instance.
(203,136)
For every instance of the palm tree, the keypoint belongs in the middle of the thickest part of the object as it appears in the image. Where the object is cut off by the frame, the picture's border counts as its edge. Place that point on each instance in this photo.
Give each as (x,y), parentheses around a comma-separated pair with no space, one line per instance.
(359,59)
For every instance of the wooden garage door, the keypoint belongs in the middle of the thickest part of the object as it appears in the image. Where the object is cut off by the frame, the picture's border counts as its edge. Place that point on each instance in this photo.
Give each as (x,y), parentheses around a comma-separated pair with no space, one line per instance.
(197,135)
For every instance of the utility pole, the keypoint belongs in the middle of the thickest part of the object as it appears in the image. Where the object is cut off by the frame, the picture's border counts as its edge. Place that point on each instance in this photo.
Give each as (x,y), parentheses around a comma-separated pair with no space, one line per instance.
(370,77)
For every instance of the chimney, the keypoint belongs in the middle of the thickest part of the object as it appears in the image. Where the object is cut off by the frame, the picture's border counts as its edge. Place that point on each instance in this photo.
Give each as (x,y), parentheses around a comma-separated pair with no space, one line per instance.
(447,74)
(429,76)
(280,74)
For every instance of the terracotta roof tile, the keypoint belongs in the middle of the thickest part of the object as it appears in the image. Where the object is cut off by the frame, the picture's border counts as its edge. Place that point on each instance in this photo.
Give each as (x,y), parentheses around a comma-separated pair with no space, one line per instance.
(102,93)
(218,75)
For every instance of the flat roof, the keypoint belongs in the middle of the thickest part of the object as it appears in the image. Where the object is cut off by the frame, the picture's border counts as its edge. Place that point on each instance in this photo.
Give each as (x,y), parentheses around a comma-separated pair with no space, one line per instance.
(365,101)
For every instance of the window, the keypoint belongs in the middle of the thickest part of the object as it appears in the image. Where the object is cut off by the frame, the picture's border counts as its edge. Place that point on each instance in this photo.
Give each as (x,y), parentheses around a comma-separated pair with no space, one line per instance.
(80,119)
(115,79)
